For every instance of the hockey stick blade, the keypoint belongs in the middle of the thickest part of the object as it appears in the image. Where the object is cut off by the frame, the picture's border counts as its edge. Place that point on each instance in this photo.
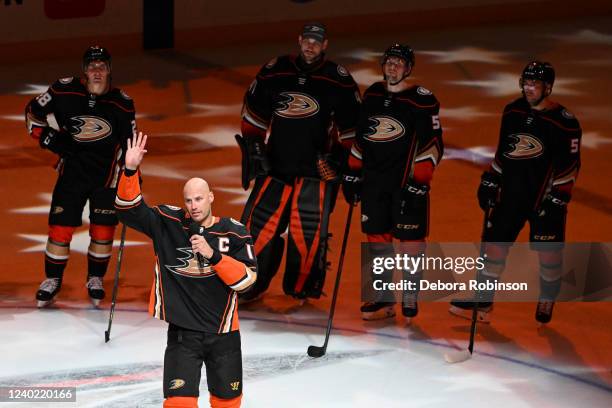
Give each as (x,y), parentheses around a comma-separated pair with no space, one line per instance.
(316,351)
(457,356)
(106,336)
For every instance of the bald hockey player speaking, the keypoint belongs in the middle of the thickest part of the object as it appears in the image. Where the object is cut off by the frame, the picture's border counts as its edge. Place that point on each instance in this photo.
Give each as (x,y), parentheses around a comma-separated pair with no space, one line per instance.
(202,262)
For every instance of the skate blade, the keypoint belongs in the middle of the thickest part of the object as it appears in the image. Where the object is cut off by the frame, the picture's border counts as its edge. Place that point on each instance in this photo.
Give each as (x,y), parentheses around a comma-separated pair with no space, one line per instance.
(408,320)
(95,302)
(44,303)
(481,316)
(378,315)
(457,356)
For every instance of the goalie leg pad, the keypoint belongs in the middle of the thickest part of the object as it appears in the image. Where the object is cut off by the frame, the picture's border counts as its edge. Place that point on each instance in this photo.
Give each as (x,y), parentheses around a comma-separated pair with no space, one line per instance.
(307,243)
(266,217)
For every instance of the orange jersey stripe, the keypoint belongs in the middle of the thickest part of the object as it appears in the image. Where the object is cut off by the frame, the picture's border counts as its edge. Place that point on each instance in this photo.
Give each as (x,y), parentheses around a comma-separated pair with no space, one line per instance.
(230,270)
(129,187)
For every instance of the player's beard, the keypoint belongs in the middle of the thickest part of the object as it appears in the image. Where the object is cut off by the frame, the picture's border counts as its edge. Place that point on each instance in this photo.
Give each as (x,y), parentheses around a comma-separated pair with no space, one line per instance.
(310,60)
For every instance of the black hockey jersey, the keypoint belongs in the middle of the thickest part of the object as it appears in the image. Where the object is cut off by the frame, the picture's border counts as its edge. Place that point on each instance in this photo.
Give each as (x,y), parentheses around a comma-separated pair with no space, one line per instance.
(184,294)
(537,151)
(301,106)
(396,132)
(99,125)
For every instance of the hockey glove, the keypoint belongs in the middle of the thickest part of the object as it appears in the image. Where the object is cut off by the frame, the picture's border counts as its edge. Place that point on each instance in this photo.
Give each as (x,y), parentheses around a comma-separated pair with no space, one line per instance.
(254,160)
(413,196)
(488,190)
(59,142)
(410,212)
(351,186)
(259,161)
(555,202)
(326,168)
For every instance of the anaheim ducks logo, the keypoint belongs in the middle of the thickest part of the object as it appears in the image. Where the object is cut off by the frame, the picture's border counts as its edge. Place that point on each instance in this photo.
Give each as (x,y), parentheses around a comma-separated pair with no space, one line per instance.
(177,383)
(189,266)
(90,128)
(297,105)
(384,129)
(525,146)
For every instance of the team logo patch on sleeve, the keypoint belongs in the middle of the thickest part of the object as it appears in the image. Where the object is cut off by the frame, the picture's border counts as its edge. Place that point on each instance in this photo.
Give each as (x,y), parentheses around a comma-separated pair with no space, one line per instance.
(90,128)
(525,146)
(66,80)
(384,129)
(567,114)
(295,105)
(236,222)
(423,91)
(253,86)
(271,63)
(126,96)
(342,71)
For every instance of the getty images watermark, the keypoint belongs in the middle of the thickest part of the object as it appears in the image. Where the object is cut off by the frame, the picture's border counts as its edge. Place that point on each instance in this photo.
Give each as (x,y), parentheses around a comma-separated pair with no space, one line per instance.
(448,271)
(413,264)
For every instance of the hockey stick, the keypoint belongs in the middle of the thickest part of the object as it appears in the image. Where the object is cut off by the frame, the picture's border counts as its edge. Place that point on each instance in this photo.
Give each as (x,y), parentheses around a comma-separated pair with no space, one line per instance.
(463,355)
(316,351)
(115,285)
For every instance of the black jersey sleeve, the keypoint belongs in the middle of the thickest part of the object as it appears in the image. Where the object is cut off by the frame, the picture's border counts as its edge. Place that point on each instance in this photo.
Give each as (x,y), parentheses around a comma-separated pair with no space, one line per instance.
(38,108)
(346,103)
(566,152)
(237,269)
(132,209)
(496,165)
(257,104)
(428,128)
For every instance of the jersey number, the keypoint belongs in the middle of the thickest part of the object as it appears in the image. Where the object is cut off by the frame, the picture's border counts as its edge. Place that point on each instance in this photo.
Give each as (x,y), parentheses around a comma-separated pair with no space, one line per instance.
(44,99)
(575,146)
(435,122)
(249,249)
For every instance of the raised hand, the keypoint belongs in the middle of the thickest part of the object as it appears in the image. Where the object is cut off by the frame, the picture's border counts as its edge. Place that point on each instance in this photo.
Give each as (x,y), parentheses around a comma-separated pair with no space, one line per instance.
(135,151)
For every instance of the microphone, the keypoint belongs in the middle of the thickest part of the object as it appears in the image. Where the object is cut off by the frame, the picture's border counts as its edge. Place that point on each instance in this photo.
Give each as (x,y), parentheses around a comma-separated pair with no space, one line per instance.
(196,229)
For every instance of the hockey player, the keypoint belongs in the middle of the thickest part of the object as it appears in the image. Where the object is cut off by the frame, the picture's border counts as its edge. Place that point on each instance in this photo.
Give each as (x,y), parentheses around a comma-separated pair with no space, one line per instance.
(530,180)
(202,261)
(94,122)
(398,146)
(307,104)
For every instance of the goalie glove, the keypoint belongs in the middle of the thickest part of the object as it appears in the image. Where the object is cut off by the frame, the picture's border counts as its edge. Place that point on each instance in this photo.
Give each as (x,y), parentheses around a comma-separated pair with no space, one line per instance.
(254,160)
